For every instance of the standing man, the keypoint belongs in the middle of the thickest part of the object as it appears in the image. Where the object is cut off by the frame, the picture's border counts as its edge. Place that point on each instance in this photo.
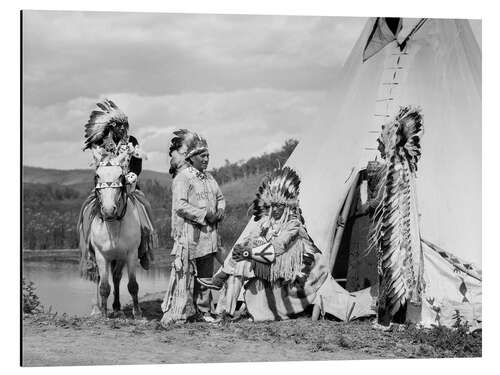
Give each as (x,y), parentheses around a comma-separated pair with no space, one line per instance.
(199,205)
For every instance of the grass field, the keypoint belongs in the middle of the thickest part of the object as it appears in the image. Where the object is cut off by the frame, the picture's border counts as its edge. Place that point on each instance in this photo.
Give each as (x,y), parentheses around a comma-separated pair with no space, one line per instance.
(52,340)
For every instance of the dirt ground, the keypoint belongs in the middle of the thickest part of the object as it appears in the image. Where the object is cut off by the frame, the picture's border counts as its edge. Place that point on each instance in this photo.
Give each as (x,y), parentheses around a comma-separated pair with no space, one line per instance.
(52,340)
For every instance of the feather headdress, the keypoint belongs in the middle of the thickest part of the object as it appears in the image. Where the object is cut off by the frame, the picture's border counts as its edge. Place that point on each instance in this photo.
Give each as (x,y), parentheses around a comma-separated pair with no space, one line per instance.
(391,230)
(178,149)
(102,120)
(281,186)
(196,145)
(401,138)
(180,141)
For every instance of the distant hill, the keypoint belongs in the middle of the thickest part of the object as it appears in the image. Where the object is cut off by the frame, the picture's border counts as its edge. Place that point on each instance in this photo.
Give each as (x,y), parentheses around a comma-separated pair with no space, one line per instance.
(52,199)
(68,177)
(79,179)
(230,172)
(242,190)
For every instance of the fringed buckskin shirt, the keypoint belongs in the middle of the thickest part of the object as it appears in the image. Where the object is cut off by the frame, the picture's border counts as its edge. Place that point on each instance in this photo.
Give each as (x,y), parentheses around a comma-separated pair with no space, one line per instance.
(294,250)
(193,193)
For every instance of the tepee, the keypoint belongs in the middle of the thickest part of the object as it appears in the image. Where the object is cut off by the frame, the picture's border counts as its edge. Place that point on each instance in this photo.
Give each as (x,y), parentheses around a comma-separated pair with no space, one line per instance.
(432,64)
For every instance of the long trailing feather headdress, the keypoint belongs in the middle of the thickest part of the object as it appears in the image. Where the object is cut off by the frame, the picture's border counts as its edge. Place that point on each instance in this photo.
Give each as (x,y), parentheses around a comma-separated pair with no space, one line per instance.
(102,120)
(281,186)
(390,233)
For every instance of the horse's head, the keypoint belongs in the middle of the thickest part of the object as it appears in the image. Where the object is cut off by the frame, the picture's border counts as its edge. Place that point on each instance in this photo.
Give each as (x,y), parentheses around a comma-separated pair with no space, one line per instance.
(109,188)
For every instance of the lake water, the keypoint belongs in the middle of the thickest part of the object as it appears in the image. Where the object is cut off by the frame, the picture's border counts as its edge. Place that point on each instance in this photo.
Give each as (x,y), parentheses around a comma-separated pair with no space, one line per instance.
(58,284)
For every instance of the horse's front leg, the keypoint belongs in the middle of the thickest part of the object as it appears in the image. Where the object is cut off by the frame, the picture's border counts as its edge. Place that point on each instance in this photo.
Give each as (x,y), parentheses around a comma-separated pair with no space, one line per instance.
(117,270)
(133,287)
(104,287)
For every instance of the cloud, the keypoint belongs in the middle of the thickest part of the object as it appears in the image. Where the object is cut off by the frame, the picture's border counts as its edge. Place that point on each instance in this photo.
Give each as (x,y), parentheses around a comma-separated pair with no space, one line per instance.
(237,124)
(247,83)
(156,54)
(55,154)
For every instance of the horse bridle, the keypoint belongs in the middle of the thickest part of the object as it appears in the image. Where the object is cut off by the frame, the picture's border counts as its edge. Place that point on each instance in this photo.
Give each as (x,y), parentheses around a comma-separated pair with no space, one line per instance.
(121,184)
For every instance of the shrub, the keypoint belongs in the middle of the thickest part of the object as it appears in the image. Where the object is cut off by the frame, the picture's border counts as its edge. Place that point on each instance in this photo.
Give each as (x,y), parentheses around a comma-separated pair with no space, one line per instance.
(31,302)
(457,341)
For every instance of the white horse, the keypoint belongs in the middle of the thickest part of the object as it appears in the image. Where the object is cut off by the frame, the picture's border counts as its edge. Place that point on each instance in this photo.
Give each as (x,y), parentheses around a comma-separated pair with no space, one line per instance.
(115,236)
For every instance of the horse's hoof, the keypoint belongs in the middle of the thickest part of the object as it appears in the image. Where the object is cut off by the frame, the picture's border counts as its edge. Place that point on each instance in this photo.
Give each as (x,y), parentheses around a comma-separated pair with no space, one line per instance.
(117,315)
(96,312)
(137,315)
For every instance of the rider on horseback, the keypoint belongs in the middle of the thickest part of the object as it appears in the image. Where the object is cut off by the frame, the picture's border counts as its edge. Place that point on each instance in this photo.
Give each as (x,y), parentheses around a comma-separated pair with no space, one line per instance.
(106,134)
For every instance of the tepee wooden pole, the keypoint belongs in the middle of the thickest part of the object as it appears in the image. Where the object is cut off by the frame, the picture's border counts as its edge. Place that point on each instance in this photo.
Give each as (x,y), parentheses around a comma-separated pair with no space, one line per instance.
(341,222)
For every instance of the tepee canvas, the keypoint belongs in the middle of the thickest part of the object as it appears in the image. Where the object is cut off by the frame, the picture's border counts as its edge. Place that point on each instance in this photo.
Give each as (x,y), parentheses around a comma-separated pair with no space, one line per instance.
(432,64)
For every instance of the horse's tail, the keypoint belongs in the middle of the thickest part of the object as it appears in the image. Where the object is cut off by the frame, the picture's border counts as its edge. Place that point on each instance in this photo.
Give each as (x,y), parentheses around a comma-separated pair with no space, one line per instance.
(149,236)
(88,265)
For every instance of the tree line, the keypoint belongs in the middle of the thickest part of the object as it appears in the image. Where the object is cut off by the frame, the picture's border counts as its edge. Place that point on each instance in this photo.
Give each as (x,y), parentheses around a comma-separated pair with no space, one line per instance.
(50,211)
(255,165)
(48,192)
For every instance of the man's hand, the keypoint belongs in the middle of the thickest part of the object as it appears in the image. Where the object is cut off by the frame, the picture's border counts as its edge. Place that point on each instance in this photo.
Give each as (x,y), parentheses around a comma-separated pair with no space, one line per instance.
(241,252)
(364,209)
(178,263)
(299,280)
(210,217)
(219,215)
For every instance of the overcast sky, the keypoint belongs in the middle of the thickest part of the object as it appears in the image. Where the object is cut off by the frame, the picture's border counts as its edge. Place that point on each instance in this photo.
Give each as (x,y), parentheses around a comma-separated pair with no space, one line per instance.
(247,83)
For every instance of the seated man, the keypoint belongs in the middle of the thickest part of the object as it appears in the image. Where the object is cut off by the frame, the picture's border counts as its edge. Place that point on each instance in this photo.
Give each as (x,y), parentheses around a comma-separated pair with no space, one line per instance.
(279,251)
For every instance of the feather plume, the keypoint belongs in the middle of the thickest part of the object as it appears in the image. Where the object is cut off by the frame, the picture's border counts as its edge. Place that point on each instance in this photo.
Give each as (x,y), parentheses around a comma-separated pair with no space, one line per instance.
(102,120)
(182,137)
(178,148)
(195,145)
(281,186)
